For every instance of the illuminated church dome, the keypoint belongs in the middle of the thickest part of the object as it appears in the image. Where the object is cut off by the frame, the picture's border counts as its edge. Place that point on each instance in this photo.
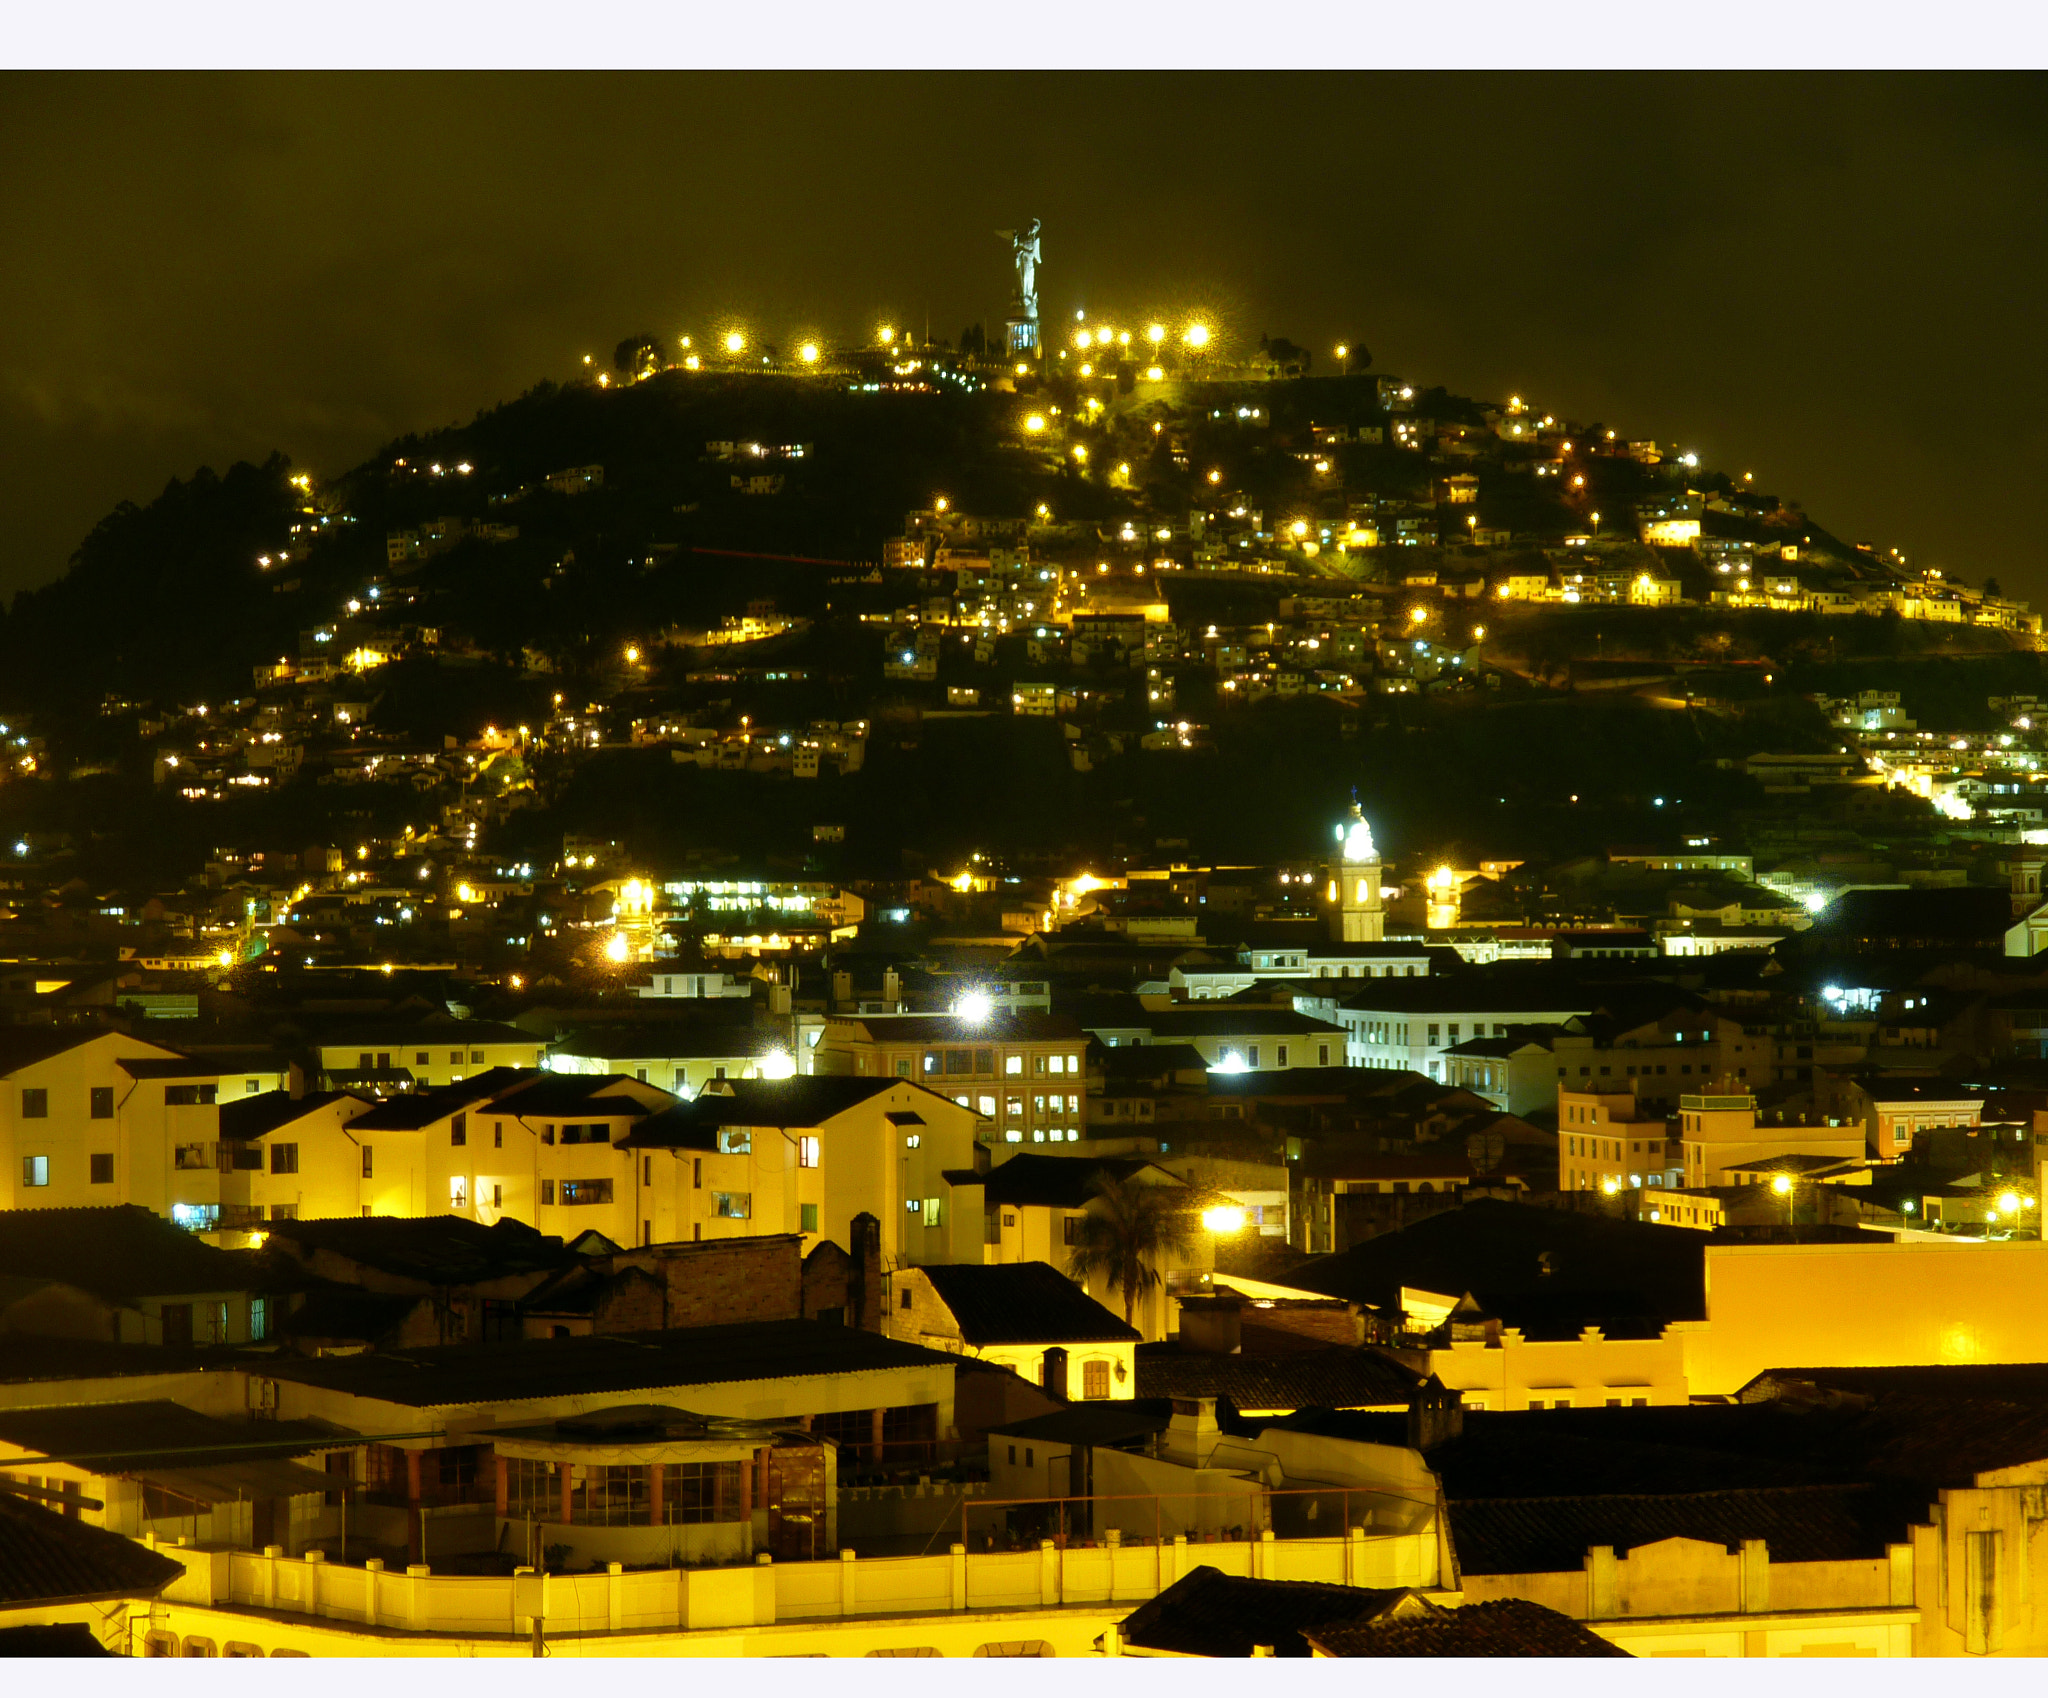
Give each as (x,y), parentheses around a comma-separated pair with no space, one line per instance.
(1356,836)
(1356,915)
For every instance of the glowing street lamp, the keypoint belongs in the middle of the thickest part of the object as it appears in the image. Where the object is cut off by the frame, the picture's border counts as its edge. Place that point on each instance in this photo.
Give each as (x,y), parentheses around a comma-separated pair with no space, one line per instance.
(1224,1218)
(735,342)
(1197,337)
(1034,423)
(886,336)
(974,1007)
(776,1064)
(808,353)
(1155,334)
(616,948)
(1782,1184)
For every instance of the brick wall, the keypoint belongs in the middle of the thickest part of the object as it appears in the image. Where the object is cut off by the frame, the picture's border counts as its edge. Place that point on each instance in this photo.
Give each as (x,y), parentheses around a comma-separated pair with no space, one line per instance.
(727,1280)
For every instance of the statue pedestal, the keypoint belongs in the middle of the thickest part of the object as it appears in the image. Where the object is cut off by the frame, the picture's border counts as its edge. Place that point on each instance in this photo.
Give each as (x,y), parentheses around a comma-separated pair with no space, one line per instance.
(1020,336)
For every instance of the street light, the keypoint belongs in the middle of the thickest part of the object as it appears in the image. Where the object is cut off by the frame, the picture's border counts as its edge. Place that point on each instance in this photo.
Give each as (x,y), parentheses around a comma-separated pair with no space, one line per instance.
(735,343)
(808,353)
(1224,1218)
(1782,1184)
(1197,336)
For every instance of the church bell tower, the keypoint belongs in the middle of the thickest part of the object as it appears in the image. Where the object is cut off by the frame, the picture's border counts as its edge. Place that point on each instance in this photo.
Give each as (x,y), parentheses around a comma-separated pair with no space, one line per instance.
(1355,912)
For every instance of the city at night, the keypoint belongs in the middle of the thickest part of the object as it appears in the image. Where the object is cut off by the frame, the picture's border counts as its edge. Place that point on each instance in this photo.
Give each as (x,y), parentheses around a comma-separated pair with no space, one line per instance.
(991,863)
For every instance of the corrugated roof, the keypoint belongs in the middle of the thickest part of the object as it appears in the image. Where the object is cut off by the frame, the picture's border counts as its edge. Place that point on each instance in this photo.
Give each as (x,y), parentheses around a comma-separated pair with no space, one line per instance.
(1023,1303)
(1338,1376)
(120,1253)
(436,1250)
(153,1433)
(540,1368)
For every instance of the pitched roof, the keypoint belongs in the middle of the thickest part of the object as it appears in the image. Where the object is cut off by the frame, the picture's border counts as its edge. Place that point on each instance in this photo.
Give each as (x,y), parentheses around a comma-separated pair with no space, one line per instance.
(48,1559)
(152,1433)
(1057,1182)
(1500,1627)
(667,1041)
(538,1368)
(1551,1535)
(24,1046)
(806,1100)
(1207,1613)
(1256,1019)
(1018,1026)
(1545,1267)
(435,1249)
(1023,1303)
(120,1253)
(1338,1376)
(1111,1421)
(398,1034)
(249,1118)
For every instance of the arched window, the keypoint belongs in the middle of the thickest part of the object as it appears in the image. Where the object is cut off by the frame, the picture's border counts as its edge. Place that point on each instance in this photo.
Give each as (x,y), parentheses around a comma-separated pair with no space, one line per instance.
(1016,1648)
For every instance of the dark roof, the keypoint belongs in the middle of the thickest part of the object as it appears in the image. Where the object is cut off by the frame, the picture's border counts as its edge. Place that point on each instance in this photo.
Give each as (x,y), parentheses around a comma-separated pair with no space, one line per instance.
(535,1093)
(1018,1026)
(1055,1182)
(806,1100)
(397,1034)
(415,1109)
(26,1360)
(47,1559)
(1338,1376)
(1258,1019)
(1111,1421)
(666,1041)
(254,1117)
(56,1639)
(127,1438)
(1023,1303)
(23,1046)
(1533,1267)
(435,1249)
(752,1350)
(118,1253)
(2015,1382)
(1500,1627)
(1207,1613)
(1927,918)
(1551,1535)
(343,1312)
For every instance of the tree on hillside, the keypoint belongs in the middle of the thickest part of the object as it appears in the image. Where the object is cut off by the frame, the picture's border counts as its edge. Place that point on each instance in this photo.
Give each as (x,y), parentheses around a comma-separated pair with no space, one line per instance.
(973,342)
(1127,1232)
(637,356)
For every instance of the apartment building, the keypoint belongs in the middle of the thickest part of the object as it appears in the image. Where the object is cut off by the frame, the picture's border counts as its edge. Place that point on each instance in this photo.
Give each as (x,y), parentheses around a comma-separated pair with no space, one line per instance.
(1021,1073)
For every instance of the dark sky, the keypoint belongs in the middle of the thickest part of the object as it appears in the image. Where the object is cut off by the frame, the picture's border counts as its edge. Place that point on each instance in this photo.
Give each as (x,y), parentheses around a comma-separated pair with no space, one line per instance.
(1834,281)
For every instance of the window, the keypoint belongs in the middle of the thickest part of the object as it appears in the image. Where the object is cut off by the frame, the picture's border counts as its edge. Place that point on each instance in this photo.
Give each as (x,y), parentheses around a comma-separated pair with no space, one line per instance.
(1094,1379)
(420,1059)
(985,1107)
(932,1211)
(547,1193)
(284,1211)
(1059,1064)
(103,1102)
(176,1319)
(102,1169)
(1251,1058)
(730,1205)
(284,1158)
(35,1103)
(905,1303)
(35,1170)
(455,1058)
(735,1141)
(252,1087)
(807,1217)
(911,1140)
(259,1319)
(476,1057)
(1279,1055)
(903,1067)
(498,1135)
(458,1130)
(458,1191)
(1013,1064)
(187,1096)
(582,1191)
(1322,1055)
(807,1150)
(369,1170)
(696,1173)
(1434,1029)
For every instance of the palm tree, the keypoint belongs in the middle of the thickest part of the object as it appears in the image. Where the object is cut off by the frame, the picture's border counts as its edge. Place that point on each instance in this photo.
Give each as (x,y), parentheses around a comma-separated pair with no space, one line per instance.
(1131,1228)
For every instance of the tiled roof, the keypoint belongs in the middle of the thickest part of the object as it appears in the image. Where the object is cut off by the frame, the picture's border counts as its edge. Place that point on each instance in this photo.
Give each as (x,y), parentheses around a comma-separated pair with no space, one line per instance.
(269,1111)
(1501,1627)
(433,1249)
(540,1368)
(669,1041)
(1207,1613)
(1023,1303)
(1551,1535)
(1336,1376)
(119,1253)
(1054,1182)
(1020,1026)
(48,1559)
(807,1100)
(1111,1421)
(1253,1020)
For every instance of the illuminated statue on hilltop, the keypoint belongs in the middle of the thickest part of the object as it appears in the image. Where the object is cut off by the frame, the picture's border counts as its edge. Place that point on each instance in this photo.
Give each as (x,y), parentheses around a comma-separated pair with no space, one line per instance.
(1023,321)
(1356,915)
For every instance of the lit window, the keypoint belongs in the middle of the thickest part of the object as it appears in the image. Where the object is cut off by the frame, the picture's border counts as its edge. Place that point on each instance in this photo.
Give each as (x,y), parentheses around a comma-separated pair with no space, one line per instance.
(807,1152)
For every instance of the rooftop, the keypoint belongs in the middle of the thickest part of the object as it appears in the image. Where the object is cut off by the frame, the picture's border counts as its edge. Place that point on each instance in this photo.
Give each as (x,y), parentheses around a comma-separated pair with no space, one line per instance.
(119,1253)
(1023,1303)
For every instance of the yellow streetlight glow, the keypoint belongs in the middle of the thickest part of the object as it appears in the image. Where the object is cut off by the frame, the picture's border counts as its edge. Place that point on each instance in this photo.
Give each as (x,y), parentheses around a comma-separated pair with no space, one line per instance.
(808,353)
(1223,1218)
(1215,477)
(940,504)
(1416,615)
(1034,422)
(735,343)
(1153,374)
(1083,339)
(1299,527)
(1081,454)
(1155,333)
(1782,1184)
(616,948)
(1198,336)
(632,654)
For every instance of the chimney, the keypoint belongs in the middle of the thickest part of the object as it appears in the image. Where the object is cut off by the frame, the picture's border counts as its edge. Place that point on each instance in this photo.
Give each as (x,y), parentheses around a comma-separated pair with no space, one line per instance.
(1052,1374)
(892,987)
(1435,1414)
(1212,1326)
(842,988)
(864,1283)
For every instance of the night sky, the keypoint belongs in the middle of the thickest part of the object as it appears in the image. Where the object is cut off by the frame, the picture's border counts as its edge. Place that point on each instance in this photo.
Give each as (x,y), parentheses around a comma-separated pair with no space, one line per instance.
(1834,281)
